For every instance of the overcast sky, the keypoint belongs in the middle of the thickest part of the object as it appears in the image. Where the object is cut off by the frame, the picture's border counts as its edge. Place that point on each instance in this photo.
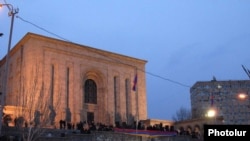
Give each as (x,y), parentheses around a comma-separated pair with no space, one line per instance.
(184,41)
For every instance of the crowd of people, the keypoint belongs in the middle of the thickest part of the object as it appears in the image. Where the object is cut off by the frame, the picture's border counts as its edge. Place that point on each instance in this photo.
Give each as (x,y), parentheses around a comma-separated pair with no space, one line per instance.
(85,127)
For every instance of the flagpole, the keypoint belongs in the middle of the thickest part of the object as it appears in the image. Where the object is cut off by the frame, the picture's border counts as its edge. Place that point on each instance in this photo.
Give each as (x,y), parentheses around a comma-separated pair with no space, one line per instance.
(246,71)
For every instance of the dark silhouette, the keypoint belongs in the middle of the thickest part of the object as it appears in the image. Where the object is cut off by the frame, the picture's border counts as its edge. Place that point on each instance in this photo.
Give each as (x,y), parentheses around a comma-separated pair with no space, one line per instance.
(37,116)
(52,115)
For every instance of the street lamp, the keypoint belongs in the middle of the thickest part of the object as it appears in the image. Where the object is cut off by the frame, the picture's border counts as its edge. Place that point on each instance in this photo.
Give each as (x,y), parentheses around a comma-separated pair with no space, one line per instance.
(211,113)
(242,96)
(11,13)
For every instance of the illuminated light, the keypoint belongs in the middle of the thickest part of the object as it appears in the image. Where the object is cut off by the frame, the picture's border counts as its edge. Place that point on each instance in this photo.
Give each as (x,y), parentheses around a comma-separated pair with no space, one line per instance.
(242,96)
(211,113)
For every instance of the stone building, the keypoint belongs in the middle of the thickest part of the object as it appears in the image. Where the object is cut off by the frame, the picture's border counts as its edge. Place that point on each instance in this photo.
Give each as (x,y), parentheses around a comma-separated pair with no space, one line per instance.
(78,83)
(223,97)
(166,124)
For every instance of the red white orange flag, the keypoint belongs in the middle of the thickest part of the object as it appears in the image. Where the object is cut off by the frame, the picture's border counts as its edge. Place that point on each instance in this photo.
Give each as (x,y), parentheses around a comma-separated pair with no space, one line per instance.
(135,83)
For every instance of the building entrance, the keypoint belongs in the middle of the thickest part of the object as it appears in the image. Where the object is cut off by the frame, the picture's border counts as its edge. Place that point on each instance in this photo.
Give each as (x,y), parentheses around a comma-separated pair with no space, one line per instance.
(90,117)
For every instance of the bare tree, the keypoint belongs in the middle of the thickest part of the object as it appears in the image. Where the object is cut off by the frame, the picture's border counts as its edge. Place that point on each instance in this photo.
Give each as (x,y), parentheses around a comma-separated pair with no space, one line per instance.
(182,114)
(35,113)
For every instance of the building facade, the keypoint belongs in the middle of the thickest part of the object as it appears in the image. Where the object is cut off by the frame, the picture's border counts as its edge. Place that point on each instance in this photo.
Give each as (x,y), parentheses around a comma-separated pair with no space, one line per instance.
(223,97)
(75,82)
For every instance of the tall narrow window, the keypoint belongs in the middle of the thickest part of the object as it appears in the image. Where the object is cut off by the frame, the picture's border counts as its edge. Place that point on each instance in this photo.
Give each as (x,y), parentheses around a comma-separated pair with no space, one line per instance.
(90,90)
(67,88)
(52,84)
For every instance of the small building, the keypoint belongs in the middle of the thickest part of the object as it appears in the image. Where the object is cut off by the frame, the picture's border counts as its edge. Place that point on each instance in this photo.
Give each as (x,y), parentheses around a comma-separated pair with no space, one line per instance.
(195,127)
(157,124)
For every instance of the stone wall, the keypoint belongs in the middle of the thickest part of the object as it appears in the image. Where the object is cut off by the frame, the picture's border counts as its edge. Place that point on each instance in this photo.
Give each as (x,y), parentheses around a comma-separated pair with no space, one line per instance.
(69,135)
(111,136)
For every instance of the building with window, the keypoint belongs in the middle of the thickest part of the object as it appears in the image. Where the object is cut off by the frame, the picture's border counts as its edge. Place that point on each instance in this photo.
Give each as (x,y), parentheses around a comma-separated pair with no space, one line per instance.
(74,82)
(224,98)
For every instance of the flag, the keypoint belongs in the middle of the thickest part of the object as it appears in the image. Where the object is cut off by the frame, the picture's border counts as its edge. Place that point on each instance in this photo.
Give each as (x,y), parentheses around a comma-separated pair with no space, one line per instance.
(212,100)
(134,83)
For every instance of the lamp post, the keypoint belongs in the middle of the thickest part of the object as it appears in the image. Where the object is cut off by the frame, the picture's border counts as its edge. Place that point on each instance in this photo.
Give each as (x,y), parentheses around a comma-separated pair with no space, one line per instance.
(212,111)
(244,97)
(11,13)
